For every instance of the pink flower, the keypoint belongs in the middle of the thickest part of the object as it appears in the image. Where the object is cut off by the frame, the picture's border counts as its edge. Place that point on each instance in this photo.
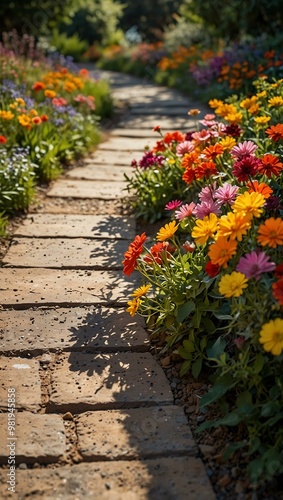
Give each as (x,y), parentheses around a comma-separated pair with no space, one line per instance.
(207,192)
(185,211)
(253,264)
(227,193)
(59,101)
(246,167)
(206,208)
(172,205)
(243,149)
(200,137)
(184,147)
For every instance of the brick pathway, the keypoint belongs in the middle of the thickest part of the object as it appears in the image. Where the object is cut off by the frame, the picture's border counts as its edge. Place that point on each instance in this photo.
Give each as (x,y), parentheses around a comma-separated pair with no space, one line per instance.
(95,417)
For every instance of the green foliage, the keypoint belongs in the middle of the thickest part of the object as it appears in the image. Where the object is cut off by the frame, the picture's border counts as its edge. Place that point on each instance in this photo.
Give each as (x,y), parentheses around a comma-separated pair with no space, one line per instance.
(68,46)
(16,181)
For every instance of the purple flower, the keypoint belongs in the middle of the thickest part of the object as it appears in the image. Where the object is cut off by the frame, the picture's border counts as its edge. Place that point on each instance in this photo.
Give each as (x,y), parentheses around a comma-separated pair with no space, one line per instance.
(246,148)
(227,193)
(149,159)
(253,264)
(172,205)
(206,208)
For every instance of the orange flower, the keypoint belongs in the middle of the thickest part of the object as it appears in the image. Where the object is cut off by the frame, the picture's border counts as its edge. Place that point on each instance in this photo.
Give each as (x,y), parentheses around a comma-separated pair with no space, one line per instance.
(275,132)
(270,164)
(44,118)
(189,159)
(36,120)
(174,137)
(261,188)
(271,232)
(3,139)
(49,93)
(211,152)
(277,291)
(222,250)
(189,175)
(37,86)
(234,225)
(83,72)
(132,254)
(205,169)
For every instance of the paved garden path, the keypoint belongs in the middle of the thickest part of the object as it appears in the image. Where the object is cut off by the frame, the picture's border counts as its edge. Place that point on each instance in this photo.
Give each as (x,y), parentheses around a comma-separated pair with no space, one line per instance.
(95,416)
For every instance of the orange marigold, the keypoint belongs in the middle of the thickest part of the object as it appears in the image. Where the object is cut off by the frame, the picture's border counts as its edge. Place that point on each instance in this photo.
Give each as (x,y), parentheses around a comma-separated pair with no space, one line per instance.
(270,233)
(275,132)
(211,152)
(222,250)
(261,188)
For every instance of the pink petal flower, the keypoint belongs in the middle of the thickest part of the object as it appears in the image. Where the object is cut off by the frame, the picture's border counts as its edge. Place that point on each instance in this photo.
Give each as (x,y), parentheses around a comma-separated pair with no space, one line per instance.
(172,205)
(184,147)
(253,264)
(243,149)
(185,211)
(206,208)
(227,193)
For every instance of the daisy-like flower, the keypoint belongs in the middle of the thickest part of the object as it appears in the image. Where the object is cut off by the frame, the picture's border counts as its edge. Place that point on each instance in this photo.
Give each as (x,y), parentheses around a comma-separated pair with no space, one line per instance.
(261,121)
(253,264)
(201,137)
(234,225)
(189,175)
(190,159)
(185,211)
(3,139)
(193,112)
(159,253)
(269,165)
(234,118)
(172,205)
(205,169)
(261,188)
(211,152)
(207,207)
(131,255)
(184,147)
(227,143)
(270,233)
(222,250)
(233,130)
(133,306)
(246,168)
(207,192)
(246,148)
(166,232)
(274,203)
(271,336)
(275,102)
(232,285)
(142,290)
(277,290)
(227,193)
(205,229)
(249,203)
(275,132)
(211,269)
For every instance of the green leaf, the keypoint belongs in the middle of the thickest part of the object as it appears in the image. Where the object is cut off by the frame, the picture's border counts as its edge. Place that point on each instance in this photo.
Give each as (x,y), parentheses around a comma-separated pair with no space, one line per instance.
(258,364)
(222,385)
(184,353)
(189,345)
(231,449)
(231,419)
(185,310)
(185,368)
(216,349)
(245,398)
(268,409)
(196,368)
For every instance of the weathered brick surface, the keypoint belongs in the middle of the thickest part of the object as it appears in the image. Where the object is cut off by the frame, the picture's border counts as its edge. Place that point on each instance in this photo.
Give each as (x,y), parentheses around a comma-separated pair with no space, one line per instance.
(23,376)
(134,433)
(26,287)
(39,438)
(78,226)
(96,172)
(159,479)
(77,328)
(102,190)
(98,381)
(67,253)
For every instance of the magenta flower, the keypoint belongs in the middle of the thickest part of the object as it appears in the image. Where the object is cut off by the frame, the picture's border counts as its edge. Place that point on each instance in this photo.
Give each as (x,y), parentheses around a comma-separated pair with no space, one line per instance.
(184,147)
(207,193)
(185,211)
(253,264)
(246,168)
(172,205)
(206,208)
(226,194)
(245,148)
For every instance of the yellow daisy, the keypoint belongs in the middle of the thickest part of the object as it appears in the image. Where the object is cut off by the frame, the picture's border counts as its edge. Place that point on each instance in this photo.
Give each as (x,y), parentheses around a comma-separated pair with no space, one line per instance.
(233,285)
(142,290)
(166,232)
(133,306)
(271,336)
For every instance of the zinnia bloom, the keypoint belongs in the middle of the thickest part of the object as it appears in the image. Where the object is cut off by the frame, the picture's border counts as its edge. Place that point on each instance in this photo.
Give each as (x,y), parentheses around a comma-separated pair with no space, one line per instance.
(207,192)
(212,269)
(270,233)
(36,120)
(132,254)
(205,169)
(271,336)
(207,207)
(253,264)
(133,306)
(166,232)
(222,250)
(205,229)
(262,188)
(185,211)
(3,139)
(246,148)
(49,93)
(269,165)
(227,193)
(233,130)
(234,225)
(211,152)
(142,290)
(275,132)
(158,253)
(279,271)
(232,285)
(246,168)
(277,290)
(37,86)
(249,203)
(184,147)
(172,205)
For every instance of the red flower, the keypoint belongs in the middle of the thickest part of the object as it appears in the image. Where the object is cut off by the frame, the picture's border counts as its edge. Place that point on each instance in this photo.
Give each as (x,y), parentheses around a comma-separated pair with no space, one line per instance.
(36,120)
(159,146)
(174,137)
(246,168)
(157,128)
(279,271)
(44,118)
(159,252)
(277,290)
(132,254)
(205,169)
(189,175)
(212,269)
(270,164)
(275,132)
(37,86)
(3,139)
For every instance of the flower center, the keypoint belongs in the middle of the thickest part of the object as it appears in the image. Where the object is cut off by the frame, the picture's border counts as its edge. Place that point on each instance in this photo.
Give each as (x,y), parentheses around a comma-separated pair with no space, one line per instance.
(278,336)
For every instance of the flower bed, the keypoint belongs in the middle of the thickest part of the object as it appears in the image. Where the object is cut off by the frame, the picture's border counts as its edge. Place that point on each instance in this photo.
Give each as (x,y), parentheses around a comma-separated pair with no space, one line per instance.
(212,289)
(49,115)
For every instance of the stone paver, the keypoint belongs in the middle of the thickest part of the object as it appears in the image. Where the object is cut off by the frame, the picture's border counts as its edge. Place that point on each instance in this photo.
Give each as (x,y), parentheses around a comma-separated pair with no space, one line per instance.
(125,144)
(67,253)
(104,172)
(76,328)
(28,287)
(38,438)
(23,376)
(82,382)
(158,479)
(101,190)
(136,121)
(134,433)
(129,132)
(114,158)
(78,226)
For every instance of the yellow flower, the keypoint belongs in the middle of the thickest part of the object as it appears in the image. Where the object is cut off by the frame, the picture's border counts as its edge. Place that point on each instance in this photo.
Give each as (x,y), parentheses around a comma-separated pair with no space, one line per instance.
(262,120)
(248,102)
(225,109)
(171,161)
(20,101)
(235,117)
(249,204)
(271,336)
(215,103)
(261,94)
(205,228)
(133,306)
(24,120)
(233,285)
(253,110)
(276,101)
(167,231)
(33,112)
(234,225)
(142,290)
(194,112)
(227,143)
(6,115)
(69,86)
(49,93)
